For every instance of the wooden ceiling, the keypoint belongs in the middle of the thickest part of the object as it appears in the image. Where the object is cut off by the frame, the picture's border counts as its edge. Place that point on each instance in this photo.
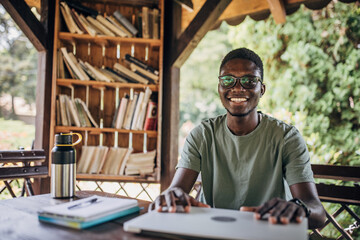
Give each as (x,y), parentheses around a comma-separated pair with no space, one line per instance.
(237,10)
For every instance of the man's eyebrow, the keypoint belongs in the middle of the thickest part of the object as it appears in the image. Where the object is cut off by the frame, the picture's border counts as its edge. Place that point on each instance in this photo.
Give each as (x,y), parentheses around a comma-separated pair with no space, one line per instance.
(246,75)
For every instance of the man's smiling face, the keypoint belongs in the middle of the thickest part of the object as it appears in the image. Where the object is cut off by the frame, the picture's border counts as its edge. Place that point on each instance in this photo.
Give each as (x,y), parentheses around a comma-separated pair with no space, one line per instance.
(237,100)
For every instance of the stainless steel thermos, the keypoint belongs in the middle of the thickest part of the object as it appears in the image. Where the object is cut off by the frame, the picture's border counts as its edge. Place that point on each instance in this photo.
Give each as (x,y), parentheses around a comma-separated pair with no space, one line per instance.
(63,166)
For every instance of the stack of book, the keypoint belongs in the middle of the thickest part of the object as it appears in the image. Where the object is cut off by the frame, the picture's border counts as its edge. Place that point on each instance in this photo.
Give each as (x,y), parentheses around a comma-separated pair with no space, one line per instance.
(83,20)
(87,212)
(73,112)
(140,163)
(138,113)
(115,161)
(137,71)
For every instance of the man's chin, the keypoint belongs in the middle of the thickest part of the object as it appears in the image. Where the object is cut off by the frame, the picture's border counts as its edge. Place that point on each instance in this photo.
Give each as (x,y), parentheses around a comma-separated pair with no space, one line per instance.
(240,114)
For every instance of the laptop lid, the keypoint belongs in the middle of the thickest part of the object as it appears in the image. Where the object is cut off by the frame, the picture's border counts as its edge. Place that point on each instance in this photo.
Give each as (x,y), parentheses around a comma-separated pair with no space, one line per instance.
(214,223)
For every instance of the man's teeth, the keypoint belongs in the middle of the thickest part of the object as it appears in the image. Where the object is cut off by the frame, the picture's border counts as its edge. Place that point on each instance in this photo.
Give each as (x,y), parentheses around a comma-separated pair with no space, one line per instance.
(238,99)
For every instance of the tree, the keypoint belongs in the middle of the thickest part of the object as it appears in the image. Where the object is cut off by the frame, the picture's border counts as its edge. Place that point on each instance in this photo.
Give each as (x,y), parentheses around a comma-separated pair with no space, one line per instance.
(18,62)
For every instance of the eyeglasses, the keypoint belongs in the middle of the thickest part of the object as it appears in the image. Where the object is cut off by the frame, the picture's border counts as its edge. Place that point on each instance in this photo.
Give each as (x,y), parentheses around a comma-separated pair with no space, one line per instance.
(247,82)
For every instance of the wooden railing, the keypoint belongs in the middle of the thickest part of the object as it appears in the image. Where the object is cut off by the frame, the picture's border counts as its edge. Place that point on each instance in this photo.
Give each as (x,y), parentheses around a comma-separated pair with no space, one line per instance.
(22,164)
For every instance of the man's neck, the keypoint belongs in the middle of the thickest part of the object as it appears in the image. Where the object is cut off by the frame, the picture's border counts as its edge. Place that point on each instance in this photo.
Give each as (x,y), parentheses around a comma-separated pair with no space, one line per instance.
(243,125)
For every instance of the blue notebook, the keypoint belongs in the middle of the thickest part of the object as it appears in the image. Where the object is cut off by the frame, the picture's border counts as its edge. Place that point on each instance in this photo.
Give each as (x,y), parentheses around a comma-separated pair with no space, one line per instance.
(88,212)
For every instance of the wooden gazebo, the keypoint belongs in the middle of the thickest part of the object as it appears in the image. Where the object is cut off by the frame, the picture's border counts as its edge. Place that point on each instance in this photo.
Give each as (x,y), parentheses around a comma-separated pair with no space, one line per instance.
(183,30)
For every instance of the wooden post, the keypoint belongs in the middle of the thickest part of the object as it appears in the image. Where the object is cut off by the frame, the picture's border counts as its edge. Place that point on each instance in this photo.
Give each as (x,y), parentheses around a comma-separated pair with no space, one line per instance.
(43,93)
(171,81)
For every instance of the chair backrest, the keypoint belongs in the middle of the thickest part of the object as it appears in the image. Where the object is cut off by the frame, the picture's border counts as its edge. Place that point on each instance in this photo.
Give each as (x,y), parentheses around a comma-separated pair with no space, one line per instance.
(338,193)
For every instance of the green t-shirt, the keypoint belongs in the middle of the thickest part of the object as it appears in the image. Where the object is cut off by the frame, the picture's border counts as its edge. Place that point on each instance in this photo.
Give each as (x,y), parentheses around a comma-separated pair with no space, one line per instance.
(246,170)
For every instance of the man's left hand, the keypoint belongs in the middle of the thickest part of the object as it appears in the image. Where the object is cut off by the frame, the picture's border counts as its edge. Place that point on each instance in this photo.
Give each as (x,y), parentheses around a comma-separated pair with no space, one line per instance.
(279,210)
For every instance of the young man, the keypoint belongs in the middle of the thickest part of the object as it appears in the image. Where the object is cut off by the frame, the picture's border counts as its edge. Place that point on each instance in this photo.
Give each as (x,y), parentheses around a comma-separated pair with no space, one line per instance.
(246,158)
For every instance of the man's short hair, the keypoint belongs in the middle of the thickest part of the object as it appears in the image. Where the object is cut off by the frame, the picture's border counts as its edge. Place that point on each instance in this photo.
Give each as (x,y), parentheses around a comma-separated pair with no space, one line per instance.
(244,53)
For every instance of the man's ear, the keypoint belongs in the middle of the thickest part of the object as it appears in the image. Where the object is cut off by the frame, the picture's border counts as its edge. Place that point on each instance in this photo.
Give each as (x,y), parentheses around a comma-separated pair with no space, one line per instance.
(263,89)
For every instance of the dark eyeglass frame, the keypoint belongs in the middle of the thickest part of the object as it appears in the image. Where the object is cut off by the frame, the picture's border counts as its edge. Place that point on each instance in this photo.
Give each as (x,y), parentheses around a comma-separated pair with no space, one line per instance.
(241,79)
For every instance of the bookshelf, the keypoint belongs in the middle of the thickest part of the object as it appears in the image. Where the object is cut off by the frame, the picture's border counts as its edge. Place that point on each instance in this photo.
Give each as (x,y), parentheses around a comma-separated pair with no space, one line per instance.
(101,97)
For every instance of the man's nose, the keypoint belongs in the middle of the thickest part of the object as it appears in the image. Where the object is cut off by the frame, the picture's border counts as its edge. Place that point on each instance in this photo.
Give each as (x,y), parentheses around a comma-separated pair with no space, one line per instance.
(238,86)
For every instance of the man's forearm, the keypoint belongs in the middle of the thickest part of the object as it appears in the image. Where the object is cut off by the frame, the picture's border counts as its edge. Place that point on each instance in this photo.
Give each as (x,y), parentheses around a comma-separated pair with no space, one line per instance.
(317,216)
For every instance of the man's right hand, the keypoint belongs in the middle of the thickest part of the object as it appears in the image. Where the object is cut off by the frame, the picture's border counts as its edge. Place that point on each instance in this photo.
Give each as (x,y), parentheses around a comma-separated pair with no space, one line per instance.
(174,200)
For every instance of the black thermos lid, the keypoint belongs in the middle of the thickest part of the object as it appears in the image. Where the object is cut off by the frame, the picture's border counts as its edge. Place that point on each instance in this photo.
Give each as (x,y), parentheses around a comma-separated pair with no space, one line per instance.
(63,139)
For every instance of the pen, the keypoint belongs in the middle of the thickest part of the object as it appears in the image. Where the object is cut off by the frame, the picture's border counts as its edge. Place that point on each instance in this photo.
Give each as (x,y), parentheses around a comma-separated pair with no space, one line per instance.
(83,204)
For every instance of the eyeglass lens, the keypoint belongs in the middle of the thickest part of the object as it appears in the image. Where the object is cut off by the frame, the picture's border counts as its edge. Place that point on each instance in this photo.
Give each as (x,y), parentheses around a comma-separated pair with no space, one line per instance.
(247,82)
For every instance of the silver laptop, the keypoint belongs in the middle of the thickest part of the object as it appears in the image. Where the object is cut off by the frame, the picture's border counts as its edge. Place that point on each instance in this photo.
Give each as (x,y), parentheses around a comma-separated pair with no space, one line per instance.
(214,223)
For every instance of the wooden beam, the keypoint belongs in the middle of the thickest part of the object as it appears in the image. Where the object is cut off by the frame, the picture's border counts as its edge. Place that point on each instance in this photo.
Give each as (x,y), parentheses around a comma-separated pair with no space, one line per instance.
(277,9)
(27,22)
(171,93)
(34,3)
(201,24)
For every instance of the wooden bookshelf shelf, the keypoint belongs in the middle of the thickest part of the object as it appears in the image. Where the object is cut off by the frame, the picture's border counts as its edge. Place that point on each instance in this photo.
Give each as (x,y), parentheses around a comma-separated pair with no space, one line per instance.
(59,129)
(111,178)
(68,82)
(105,40)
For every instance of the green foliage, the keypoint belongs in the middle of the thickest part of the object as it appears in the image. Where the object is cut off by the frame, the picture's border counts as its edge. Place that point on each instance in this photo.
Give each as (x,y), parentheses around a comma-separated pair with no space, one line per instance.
(18,61)
(15,134)
(313,70)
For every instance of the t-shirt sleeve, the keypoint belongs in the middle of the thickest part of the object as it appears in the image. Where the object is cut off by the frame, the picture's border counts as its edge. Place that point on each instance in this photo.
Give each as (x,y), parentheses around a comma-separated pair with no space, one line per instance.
(296,159)
(190,155)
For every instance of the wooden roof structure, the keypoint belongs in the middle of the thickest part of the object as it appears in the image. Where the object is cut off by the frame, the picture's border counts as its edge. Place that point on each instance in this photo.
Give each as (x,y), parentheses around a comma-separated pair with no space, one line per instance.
(183,31)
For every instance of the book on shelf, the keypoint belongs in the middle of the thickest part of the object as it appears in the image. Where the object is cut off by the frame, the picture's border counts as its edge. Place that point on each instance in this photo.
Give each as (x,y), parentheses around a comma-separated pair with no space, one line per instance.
(58,114)
(88,114)
(145,22)
(156,24)
(83,75)
(99,26)
(121,75)
(137,110)
(70,104)
(130,74)
(89,28)
(117,24)
(130,111)
(141,64)
(72,64)
(125,22)
(114,160)
(62,112)
(83,163)
(140,163)
(150,23)
(69,21)
(139,121)
(76,19)
(87,212)
(116,77)
(151,116)
(124,161)
(68,69)
(83,23)
(122,110)
(87,70)
(143,73)
(60,65)
(97,159)
(117,31)
(99,76)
